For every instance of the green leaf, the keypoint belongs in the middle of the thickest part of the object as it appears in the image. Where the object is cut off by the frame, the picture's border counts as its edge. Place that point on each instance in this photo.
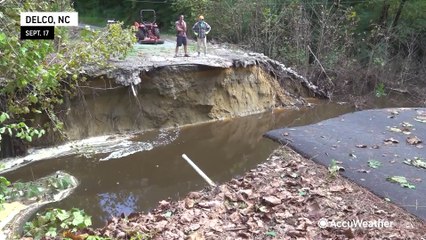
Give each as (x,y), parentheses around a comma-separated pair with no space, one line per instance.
(87,221)
(23,50)
(32,191)
(408,185)
(402,181)
(51,232)
(271,233)
(416,162)
(4,181)
(3,117)
(374,164)
(334,167)
(41,133)
(2,37)
(64,225)
(62,215)
(78,218)
(49,216)
(167,214)
(33,99)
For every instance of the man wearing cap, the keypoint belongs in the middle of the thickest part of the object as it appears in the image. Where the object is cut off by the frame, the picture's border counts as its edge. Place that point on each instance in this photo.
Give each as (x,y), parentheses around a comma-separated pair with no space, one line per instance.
(201,29)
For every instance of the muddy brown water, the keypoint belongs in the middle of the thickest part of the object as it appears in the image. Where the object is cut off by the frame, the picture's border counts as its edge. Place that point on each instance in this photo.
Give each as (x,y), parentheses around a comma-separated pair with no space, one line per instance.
(137,182)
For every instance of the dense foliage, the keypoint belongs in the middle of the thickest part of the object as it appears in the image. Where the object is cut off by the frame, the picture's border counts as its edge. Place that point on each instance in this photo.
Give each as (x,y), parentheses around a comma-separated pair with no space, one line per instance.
(35,75)
(97,12)
(57,221)
(350,47)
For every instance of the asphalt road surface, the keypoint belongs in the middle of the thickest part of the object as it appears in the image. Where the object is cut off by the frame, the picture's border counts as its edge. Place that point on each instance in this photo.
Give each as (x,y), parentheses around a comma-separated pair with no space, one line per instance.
(371,146)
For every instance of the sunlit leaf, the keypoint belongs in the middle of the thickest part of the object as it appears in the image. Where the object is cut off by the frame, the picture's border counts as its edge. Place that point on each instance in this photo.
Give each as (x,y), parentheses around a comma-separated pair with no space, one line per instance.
(78,218)
(51,232)
(417,162)
(3,117)
(2,37)
(420,118)
(395,129)
(402,181)
(87,221)
(374,164)
(62,214)
(167,214)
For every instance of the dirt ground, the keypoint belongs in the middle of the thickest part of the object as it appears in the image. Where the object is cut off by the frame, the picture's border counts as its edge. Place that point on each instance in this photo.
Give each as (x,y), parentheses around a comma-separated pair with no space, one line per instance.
(287,197)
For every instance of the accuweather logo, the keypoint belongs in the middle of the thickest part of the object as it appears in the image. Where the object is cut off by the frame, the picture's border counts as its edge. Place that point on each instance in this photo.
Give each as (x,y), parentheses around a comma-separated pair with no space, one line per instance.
(355,223)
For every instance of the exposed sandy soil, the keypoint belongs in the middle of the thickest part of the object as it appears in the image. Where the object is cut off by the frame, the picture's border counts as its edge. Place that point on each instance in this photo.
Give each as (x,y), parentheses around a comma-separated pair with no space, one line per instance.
(283,198)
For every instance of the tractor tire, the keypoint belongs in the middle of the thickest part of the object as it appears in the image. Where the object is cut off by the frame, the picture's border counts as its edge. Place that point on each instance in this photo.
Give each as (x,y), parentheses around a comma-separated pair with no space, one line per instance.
(140,35)
(157,32)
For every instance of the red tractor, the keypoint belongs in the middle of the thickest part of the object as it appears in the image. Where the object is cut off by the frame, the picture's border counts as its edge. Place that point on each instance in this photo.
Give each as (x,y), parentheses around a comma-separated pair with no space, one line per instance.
(147,32)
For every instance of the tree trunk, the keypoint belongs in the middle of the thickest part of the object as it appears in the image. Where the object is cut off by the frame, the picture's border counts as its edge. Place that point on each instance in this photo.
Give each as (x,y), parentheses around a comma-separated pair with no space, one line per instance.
(384,15)
(11,147)
(398,13)
(6,146)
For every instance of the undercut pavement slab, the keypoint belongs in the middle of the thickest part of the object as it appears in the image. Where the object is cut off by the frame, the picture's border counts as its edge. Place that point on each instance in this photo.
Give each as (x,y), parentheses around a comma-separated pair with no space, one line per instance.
(356,138)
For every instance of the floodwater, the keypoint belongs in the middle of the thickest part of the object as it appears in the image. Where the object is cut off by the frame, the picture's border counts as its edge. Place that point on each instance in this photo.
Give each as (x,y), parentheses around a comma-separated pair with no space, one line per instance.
(139,179)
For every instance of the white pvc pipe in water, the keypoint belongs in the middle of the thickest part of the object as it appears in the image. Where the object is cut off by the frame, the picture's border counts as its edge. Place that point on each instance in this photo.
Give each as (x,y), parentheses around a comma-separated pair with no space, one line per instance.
(198,170)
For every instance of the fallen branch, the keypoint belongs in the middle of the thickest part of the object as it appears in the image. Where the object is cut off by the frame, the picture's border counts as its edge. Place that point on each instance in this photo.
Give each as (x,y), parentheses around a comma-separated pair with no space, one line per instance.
(322,68)
(236,229)
(399,90)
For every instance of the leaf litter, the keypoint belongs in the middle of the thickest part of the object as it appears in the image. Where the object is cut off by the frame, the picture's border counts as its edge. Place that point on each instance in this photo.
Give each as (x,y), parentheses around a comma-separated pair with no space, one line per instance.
(267,203)
(416,162)
(413,140)
(421,118)
(391,141)
(405,128)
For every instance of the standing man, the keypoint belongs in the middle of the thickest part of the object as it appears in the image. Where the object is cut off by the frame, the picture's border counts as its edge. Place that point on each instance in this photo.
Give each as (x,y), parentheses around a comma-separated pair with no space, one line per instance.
(201,29)
(181,35)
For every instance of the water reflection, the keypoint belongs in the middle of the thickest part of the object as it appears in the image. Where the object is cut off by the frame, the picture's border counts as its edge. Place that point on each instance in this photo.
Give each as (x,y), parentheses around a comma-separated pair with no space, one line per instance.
(116,203)
(138,181)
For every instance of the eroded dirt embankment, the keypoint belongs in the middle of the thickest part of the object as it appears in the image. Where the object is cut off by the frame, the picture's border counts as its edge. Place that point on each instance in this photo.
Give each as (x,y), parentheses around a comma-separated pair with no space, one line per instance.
(154,90)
